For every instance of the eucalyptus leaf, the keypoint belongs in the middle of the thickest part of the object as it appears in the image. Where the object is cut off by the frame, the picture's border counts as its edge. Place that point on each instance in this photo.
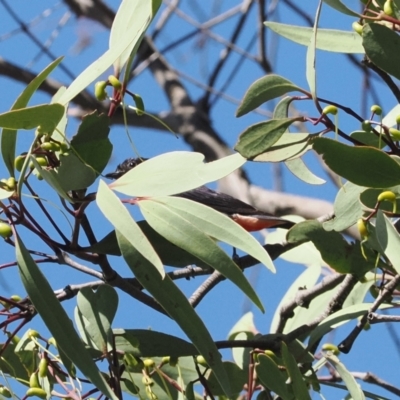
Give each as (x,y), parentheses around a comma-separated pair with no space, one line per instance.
(174,172)
(327,39)
(178,308)
(264,89)
(298,168)
(364,166)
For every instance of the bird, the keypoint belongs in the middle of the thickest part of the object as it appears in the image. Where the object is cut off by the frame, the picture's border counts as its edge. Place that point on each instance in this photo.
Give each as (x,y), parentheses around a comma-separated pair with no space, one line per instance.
(247,216)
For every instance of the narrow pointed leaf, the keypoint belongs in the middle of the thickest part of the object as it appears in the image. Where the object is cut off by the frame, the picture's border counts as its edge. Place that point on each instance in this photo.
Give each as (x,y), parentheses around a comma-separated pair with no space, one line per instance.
(299,169)
(178,308)
(259,137)
(46,115)
(9,136)
(99,308)
(174,172)
(339,6)
(56,319)
(272,377)
(217,226)
(264,89)
(389,239)
(327,39)
(118,215)
(353,387)
(364,166)
(297,381)
(181,231)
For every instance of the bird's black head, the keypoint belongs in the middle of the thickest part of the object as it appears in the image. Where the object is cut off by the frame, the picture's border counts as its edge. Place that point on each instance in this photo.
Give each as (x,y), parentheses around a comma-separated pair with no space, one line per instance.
(124,167)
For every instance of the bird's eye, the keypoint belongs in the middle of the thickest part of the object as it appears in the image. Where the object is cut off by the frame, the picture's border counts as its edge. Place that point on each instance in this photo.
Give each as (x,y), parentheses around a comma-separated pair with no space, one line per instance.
(132,164)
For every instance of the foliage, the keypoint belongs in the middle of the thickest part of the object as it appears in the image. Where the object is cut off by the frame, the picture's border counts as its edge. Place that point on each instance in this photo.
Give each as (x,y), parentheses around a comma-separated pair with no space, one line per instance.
(177,232)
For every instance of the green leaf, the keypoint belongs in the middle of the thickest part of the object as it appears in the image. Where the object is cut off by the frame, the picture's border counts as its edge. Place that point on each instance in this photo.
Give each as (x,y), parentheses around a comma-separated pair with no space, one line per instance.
(47,116)
(364,166)
(9,136)
(169,253)
(354,388)
(381,46)
(175,172)
(336,252)
(118,215)
(368,138)
(174,302)
(327,39)
(148,343)
(289,145)
(133,33)
(297,381)
(339,318)
(73,174)
(216,225)
(91,143)
(55,318)
(51,177)
(281,110)
(272,377)
(264,89)
(347,208)
(259,137)
(237,376)
(299,169)
(98,308)
(389,239)
(339,6)
(179,228)
(131,12)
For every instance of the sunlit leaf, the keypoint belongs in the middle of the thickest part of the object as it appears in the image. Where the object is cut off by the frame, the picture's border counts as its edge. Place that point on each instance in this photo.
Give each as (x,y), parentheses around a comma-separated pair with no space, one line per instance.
(118,215)
(9,136)
(339,6)
(298,168)
(175,172)
(180,229)
(327,39)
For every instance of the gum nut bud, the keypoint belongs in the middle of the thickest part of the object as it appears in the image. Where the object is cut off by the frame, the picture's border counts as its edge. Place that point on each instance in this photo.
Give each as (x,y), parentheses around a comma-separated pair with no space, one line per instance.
(398,119)
(100,90)
(32,333)
(165,360)
(16,298)
(147,381)
(362,228)
(34,380)
(366,126)
(202,361)
(357,27)
(5,392)
(388,7)
(38,392)
(43,367)
(19,162)
(5,230)
(331,347)
(150,394)
(330,110)
(52,341)
(11,183)
(387,196)
(395,133)
(115,82)
(42,161)
(376,109)
(148,363)
(64,147)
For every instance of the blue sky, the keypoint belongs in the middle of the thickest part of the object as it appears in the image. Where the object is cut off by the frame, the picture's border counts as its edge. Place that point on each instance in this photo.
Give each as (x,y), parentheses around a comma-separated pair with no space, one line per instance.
(338,80)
